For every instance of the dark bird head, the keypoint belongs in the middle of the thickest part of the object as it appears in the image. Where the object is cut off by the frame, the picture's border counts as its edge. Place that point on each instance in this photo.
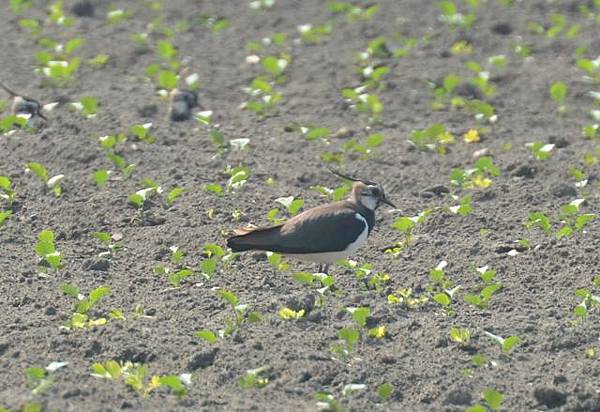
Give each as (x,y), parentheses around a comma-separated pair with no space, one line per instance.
(366,192)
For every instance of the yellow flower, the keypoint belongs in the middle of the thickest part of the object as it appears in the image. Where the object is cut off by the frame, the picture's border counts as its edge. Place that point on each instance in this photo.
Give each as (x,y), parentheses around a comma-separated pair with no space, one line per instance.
(472,136)
(377,333)
(461,47)
(287,313)
(481,181)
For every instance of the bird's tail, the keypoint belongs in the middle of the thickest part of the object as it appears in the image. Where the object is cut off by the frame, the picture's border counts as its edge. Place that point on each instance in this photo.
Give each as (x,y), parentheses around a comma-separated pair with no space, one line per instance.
(253,239)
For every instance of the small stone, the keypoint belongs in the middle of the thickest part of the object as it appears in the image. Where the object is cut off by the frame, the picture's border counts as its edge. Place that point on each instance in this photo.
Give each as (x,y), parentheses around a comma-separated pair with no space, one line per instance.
(100,265)
(343,132)
(83,9)
(202,360)
(564,190)
(502,28)
(525,171)
(459,397)
(550,397)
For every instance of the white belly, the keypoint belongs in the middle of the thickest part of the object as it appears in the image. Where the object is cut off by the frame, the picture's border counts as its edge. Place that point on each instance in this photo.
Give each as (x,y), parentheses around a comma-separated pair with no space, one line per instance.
(332,257)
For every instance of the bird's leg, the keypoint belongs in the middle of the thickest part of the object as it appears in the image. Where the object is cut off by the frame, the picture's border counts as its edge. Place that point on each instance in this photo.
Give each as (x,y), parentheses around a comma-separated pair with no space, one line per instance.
(320,269)
(325,269)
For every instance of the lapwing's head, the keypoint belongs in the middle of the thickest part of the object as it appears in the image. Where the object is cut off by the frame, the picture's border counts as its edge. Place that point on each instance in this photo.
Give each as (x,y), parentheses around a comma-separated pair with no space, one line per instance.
(366,193)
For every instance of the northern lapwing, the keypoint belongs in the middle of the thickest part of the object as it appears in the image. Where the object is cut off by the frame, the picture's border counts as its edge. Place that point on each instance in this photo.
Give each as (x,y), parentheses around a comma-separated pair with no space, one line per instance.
(324,234)
(24,105)
(182,103)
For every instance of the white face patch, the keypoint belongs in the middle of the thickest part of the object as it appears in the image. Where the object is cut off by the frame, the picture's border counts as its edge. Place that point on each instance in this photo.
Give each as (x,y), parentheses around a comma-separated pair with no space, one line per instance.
(369,201)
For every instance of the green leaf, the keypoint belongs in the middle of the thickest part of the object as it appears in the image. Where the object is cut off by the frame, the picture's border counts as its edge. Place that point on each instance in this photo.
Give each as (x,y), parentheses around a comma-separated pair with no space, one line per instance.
(360,315)
(39,170)
(304,277)
(101,177)
(165,50)
(385,390)
(404,224)
(207,335)
(493,398)
(174,383)
(228,296)
(272,66)
(442,298)
(212,249)
(103,237)
(176,277)
(174,194)
(98,293)
(472,299)
(4,215)
(476,408)
(5,183)
(35,373)
(137,200)
(375,140)
(317,132)
(350,336)
(167,79)
(213,188)
(450,83)
(583,220)
(558,92)
(509,343)
(209,266)
(70,290)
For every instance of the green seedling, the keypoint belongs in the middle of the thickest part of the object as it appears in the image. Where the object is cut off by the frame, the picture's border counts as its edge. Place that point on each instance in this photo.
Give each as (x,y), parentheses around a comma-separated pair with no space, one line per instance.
(558,93)
(406,225)
(539,219)
(478,176)
(493,400)
(365,149)
(482,77)
(110,242)
(442,290)
(115,16)
(350,338)
(264,97)
(42,379)
(327,402)
(435,138)
(134,375)
(275,67)
(240,311)
(214,255)
(541,150)
(482,299)
(363,102)
(573,221)
(8,192)
(483,111)
(81,319)
(507,344)
(335,194)
(179,272)
(255,378)
(4,215)
(238,177)
(101,176)
(443,92)
(142,132)
(310,34)
(99,61)
(291,205)
(11,123)
(589,302)
(405,298)
(207,336)
(276,261)
(353,13)
(47,251)
(53,183)
(385,391)
(462,336)
(579,175)
(57,15)
(591,131)
(465,206)
(19,6)
(322,282)
(591,68)
(88,106)
(453,18)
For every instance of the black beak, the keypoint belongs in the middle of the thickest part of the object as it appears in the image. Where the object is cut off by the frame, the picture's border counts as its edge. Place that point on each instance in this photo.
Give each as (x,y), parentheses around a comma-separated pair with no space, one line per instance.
(387,202)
